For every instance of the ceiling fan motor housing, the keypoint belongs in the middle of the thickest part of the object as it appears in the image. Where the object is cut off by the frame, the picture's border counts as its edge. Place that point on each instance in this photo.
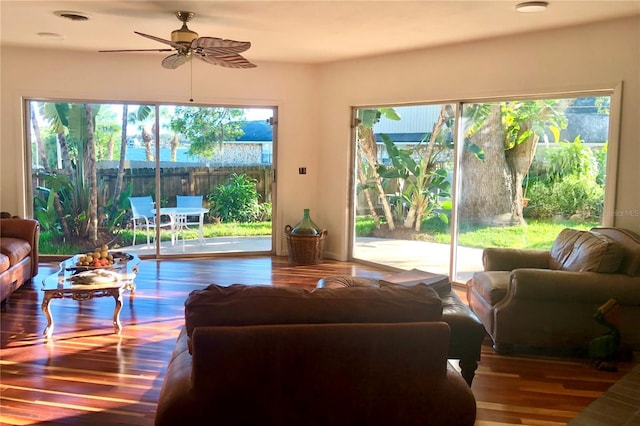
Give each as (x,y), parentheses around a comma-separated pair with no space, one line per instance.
(184,35)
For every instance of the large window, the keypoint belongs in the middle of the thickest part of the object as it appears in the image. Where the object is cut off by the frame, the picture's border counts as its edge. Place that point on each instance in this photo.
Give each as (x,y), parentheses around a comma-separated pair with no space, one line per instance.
(89,160)
(521,171)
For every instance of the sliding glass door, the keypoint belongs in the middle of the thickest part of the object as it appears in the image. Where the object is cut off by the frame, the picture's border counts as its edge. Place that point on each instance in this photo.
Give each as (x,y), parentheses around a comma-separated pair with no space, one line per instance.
(202,175)
(403,174)
(527,169)
(521,171)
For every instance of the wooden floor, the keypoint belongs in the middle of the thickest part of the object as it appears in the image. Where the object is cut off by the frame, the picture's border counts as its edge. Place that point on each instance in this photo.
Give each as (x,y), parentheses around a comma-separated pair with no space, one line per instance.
(87,375)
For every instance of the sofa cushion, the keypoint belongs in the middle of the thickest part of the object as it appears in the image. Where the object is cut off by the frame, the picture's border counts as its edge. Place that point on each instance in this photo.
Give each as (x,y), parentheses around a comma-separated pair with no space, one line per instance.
(492,285)
(4,263)
(15,249)
(239,305)
(630,243)
(584,251)
(342,281)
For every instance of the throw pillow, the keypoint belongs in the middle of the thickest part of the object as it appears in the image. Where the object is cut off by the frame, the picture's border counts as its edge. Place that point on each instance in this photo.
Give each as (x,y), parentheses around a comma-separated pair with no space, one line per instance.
(594,253)
(585,251)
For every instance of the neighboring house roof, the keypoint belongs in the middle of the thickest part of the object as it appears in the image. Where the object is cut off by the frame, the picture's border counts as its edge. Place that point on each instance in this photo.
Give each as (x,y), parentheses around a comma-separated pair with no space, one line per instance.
(403,137)
(256,131)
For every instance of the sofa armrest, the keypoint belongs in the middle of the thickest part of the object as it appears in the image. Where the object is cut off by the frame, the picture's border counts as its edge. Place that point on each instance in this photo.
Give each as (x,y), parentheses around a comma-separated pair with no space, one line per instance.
(505,259)
(176,397)
(573,287)
(24,229)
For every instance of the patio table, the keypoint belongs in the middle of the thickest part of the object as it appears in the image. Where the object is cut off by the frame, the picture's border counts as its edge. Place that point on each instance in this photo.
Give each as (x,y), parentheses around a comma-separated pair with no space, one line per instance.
(178,217)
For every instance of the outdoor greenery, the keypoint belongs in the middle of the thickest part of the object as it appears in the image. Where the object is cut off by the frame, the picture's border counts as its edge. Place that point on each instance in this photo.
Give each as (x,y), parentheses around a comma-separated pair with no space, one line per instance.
(237,201)
(572,185)
(207,128)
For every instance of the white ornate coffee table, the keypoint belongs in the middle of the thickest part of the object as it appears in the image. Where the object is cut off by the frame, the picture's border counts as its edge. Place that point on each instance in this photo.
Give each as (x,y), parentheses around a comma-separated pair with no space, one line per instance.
(65,284)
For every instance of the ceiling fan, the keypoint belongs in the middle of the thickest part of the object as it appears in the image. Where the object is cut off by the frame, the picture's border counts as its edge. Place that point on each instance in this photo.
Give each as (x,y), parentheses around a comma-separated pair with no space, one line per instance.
(187,44)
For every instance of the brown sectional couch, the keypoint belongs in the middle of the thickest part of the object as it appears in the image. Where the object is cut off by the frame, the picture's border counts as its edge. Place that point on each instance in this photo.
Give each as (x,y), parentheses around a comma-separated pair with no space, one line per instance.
(18,253)
(546,299)
(259,355)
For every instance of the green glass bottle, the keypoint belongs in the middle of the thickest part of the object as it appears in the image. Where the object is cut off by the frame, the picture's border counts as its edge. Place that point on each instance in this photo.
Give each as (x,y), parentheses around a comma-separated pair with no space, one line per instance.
(306,226)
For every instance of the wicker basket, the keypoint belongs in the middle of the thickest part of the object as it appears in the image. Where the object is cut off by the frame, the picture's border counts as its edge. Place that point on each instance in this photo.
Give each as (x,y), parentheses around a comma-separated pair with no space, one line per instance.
(305,249)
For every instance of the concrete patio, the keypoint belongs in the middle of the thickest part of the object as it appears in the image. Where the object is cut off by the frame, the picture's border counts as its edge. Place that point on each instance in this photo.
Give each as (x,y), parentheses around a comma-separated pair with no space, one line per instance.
(401,254)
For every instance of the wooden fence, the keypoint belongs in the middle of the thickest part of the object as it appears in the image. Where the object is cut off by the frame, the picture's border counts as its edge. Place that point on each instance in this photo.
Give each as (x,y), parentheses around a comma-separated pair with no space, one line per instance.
(186,180)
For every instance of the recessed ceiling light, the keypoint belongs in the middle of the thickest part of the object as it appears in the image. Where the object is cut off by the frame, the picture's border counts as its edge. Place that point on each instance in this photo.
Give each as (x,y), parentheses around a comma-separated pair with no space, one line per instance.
(532,6)
(74,16)
(52,36)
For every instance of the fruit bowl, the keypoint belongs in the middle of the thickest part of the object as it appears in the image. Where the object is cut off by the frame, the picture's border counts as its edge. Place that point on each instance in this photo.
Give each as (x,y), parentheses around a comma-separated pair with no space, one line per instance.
(105,260)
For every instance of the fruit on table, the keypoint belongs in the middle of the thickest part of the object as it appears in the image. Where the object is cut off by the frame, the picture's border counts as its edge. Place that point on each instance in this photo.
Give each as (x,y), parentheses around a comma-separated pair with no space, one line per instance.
(99,257)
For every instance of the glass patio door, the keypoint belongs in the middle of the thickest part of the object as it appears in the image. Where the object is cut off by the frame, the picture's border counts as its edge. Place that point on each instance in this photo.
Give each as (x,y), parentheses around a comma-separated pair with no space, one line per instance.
(89,159)
(522,170)
(527,169)
(403,176)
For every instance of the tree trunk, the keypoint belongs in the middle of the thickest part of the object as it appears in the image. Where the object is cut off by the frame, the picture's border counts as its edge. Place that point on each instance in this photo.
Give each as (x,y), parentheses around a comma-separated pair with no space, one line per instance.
(110,146)
(368,149)
(123,153)
(486,186)
(367,195)
(90,153)
(175,143)
(146,138)
(41,149)
(518,160)
(66,158)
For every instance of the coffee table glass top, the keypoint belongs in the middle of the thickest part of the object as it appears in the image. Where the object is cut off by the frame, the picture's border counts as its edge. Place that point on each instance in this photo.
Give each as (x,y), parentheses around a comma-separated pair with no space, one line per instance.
(71,276)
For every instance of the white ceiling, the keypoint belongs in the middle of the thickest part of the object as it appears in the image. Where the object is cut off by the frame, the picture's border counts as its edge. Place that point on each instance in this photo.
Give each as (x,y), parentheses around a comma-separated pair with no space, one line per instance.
(292,31)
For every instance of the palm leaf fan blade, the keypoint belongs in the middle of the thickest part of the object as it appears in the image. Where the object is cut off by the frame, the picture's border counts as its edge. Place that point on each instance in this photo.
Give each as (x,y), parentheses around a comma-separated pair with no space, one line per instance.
(217,46)
(174,61)
(229,61)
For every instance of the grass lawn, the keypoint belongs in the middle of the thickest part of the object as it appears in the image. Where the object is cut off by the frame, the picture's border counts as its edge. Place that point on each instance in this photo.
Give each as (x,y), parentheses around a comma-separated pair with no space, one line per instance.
(535,235)
(49,245)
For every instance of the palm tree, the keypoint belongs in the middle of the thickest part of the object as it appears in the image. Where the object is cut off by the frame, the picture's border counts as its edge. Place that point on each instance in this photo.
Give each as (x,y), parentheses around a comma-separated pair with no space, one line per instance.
(367,146)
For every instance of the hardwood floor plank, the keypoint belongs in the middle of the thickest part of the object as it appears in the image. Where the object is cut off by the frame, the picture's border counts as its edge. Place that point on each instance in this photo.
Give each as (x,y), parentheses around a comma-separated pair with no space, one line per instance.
(86,374)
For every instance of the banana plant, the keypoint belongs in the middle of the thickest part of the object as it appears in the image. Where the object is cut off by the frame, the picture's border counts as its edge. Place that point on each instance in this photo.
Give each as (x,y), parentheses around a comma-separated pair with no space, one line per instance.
(421,187)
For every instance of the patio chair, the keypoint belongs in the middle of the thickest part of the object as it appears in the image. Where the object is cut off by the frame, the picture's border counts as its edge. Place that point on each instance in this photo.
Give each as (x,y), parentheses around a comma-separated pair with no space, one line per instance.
(144,215)
(186,220)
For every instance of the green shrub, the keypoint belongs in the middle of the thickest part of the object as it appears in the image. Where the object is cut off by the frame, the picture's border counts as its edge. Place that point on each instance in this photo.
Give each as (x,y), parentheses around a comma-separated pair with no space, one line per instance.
(571,158)
(539,195)
(577,195)
(601,159)
(364,226)
(236,201)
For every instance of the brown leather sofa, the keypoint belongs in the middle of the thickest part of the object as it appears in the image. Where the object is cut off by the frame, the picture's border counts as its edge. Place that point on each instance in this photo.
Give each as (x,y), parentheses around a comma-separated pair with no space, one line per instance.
(258,355)
(467,332)
(18,253)
(546,300)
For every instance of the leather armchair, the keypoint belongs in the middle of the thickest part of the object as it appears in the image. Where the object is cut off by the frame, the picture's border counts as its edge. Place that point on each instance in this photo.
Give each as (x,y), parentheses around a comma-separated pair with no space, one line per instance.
(537,299)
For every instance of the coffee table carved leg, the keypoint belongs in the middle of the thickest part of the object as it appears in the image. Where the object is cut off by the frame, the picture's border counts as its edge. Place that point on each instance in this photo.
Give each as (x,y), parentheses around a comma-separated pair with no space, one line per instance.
(47,313)
(117,295)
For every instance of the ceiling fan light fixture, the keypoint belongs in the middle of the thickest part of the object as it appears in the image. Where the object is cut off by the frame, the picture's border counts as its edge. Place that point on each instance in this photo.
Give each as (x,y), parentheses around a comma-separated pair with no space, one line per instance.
(532,6)
(183,35)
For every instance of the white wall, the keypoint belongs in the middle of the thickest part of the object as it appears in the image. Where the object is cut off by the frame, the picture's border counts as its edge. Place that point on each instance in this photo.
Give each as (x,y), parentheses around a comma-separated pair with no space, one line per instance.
(580,58)
(122,77)
(315,103)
